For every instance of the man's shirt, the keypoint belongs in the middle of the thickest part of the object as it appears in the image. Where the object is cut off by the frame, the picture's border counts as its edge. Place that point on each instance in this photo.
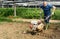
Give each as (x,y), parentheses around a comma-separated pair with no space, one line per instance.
(46,9)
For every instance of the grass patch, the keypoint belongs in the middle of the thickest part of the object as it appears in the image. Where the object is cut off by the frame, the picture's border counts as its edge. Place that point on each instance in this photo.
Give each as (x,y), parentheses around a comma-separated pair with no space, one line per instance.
(4,19)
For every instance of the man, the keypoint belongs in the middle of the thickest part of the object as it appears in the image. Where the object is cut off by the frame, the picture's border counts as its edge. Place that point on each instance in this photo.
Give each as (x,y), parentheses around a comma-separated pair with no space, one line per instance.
(47,12)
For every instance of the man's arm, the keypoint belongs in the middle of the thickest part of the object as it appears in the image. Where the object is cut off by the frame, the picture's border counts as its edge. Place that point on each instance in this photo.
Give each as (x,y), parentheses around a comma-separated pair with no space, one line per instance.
(53,10)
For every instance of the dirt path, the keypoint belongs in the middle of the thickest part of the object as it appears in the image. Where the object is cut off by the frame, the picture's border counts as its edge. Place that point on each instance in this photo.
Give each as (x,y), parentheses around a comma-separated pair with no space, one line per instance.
(28,20)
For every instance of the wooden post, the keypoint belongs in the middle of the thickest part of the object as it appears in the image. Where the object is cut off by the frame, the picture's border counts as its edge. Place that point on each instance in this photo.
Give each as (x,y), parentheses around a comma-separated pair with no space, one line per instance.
(14,9)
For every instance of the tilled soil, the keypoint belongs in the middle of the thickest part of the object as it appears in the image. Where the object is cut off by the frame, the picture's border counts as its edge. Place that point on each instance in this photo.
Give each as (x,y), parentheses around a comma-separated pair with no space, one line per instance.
(14,30)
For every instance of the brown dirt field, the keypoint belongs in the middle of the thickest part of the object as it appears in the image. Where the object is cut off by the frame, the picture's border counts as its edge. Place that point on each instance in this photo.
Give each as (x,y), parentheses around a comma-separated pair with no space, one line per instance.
(14,30)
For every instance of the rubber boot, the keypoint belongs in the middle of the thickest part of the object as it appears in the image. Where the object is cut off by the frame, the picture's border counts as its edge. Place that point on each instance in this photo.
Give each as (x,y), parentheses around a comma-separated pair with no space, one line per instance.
(47,26)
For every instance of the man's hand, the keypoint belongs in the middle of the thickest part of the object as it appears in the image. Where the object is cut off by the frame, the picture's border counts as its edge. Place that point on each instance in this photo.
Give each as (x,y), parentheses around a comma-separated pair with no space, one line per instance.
(40,12)
(52,13)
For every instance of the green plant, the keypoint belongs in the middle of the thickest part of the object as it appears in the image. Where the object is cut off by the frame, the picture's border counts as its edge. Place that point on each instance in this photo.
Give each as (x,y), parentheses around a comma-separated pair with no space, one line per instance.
(30,13)
(6,12)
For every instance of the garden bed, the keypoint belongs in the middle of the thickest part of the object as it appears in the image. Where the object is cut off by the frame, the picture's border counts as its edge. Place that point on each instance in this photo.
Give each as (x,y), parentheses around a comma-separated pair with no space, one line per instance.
(14,30)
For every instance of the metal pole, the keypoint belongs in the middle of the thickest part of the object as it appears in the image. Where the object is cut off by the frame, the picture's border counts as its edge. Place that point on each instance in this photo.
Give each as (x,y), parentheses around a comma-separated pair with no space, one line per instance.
(48,0)
(2,4)
(14,9)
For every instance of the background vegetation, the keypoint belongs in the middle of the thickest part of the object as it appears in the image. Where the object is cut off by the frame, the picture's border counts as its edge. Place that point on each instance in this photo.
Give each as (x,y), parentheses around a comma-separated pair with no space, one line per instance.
(30,13)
